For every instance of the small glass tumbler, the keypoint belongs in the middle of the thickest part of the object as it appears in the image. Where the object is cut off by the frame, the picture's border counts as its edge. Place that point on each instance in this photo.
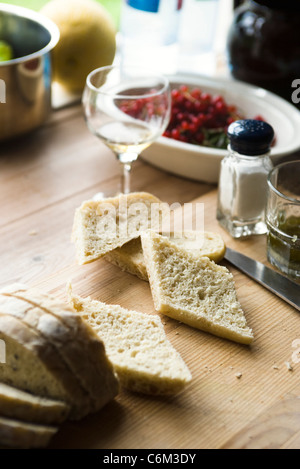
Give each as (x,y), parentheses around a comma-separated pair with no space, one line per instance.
(283,218)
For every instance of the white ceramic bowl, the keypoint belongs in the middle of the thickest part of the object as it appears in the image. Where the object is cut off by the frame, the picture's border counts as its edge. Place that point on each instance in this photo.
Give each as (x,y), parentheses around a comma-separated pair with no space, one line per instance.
(203,164)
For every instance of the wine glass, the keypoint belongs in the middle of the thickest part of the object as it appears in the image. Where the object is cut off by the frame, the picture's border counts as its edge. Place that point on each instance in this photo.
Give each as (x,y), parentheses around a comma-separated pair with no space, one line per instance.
(128,110)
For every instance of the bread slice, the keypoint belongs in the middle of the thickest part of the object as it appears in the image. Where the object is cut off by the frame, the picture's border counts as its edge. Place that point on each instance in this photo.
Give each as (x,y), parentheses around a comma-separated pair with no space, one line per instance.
(130,257)
(61,338)
(22,435)
(79,346)
(21,405)
(136,344)
(101,226)
(193,289)
(34,365)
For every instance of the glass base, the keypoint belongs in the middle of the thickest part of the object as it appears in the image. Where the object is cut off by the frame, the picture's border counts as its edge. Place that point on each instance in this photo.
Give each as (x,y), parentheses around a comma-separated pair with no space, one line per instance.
(108,194)
(122,187)
(284,255)
(105,195)
(286,268)
(238,229)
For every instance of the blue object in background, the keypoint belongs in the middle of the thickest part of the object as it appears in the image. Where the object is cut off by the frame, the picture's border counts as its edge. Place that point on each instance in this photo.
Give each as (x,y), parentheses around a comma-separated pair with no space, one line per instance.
(149,34)
(145,5)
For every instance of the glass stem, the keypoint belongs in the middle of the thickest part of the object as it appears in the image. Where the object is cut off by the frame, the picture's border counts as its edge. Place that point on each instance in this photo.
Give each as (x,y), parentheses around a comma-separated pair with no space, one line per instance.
(125,178)
(126,160)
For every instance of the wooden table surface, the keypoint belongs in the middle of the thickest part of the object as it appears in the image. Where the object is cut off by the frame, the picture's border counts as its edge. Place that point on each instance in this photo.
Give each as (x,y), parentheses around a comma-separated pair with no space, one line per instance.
(44,177)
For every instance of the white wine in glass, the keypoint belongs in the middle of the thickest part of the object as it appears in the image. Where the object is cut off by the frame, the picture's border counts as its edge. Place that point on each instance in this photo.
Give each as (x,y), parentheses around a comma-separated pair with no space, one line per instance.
(128,110)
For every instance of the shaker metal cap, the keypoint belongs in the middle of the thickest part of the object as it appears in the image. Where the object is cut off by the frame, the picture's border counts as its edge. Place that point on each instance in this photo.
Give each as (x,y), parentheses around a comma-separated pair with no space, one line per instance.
(251,137)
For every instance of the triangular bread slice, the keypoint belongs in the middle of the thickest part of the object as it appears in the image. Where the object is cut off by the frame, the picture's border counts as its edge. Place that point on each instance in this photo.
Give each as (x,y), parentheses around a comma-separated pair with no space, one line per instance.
(21,405)
(193,289)
(136,344)
(23,435)
(103,225)
(130,258)
(34,365)
(77,343)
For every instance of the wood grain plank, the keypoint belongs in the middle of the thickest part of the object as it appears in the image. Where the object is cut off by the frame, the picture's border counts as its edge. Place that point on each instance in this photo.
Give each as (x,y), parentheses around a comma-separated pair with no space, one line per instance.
(293,442)
(64,159)
(217,404)
(38,243)
(272,429)
(41,185)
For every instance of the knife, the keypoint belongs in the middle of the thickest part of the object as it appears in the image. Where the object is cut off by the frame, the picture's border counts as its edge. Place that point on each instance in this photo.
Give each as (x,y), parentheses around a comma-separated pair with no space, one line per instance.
(278,284)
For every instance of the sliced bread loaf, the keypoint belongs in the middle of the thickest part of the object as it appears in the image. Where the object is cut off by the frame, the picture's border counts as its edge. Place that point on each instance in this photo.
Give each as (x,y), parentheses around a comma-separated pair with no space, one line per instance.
(136,344)
(69,348)
(21,405)
(22,435)
(32,364)
(193,289)
(77,343)
(101,226)
(130,257)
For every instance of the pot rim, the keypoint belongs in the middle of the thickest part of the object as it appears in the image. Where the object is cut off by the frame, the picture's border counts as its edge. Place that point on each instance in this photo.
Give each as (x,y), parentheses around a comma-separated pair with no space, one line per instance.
(38,18)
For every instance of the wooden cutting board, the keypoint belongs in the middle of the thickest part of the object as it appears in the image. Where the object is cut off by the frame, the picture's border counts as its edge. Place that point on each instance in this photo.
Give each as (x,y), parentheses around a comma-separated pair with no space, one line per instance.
(240,396)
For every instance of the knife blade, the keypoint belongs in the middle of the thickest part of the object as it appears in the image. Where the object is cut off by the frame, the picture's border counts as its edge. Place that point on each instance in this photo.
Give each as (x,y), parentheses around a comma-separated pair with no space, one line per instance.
(277,283)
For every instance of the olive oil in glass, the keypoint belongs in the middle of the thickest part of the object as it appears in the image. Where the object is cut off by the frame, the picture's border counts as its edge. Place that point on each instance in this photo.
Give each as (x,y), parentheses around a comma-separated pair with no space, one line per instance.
(284,246)
(283,218)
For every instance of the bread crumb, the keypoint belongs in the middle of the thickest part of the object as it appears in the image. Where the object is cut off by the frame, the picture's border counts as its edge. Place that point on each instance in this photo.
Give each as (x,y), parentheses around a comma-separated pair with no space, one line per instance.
(181,296)
(289,366)
(238,375)
(275,367)
(32,233)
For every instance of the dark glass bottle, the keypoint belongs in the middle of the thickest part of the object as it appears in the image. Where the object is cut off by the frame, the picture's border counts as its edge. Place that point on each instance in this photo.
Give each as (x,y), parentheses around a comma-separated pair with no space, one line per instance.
(264,44)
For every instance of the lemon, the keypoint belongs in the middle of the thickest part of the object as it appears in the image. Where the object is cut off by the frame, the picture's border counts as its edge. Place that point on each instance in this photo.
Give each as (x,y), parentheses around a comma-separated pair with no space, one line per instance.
(87,40)
(6,51)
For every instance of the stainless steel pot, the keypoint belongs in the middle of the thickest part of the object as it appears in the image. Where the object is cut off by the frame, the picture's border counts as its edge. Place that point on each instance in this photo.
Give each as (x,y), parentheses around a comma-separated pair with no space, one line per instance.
(25,81)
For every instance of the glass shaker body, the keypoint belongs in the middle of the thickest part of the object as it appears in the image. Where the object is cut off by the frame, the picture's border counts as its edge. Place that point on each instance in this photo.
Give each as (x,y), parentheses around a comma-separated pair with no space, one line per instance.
(243,193)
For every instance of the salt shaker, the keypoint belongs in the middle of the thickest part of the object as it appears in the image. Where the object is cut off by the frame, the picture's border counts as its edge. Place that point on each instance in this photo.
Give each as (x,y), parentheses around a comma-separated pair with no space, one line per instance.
(243,178)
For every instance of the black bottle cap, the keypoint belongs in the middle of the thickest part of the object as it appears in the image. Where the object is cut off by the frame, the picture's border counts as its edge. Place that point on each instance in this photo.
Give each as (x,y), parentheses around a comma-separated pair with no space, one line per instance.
(285,5)
(250,137)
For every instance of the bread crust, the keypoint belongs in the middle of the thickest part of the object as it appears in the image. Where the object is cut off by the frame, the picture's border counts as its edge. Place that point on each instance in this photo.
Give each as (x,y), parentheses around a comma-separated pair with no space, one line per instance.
(18,336)
(101,226)
(193,290)
(130,257)
(23,435)
(136,343)
(80,348)
(18,404)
